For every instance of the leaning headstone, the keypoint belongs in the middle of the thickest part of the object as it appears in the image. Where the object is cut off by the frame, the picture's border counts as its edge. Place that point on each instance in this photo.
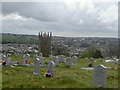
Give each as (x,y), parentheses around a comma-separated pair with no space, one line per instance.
(36,67)
(100,76)
(51,67)
(74,60)
(68,62)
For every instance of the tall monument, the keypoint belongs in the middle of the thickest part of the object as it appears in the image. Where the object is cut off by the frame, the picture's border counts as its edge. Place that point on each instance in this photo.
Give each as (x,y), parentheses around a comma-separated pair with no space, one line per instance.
(44,43)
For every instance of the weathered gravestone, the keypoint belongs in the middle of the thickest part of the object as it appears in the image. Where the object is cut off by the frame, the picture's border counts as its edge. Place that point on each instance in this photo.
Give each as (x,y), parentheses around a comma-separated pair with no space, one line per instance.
(9,61)
(61,58)
(68,62)
(100,76)
(74,60)
(55,59)
(51,67)
(92,61)
(36,67)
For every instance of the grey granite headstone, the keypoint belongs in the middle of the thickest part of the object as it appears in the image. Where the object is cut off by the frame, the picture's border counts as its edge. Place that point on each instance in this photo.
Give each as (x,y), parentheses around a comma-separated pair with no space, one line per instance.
(55,59)
(68,62)
(61,58)
(51,67)
(74,60)
(36,67)
(100,76)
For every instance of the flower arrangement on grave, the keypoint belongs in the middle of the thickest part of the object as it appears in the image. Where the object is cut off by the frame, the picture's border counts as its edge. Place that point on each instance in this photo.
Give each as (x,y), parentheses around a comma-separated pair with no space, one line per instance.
(90,65)
(4,63)
(26,62)
(48,74)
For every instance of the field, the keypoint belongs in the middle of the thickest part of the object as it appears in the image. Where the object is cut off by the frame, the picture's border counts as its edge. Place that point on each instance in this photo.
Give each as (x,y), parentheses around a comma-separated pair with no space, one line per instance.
(22,77)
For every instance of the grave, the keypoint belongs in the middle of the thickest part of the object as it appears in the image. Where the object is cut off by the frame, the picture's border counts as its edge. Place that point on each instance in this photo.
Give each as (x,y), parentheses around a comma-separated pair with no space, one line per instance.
(36,67)
(100,76)
(74,60)
(55,59)
(92,61)
(61,58)
(27,58)
(68,62)
(51,67)
(9,61)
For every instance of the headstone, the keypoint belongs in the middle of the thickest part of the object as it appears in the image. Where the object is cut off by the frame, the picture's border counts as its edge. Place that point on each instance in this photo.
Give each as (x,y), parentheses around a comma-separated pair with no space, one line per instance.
(36,67)
(41,55)
(61,58)
(55,59)
(100,76)
(92,61)
(74,60)
(51,67)
(9,61)
(68,62)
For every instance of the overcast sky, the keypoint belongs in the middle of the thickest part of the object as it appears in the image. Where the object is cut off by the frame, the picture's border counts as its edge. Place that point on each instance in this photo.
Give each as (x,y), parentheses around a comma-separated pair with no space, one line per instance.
(69,19)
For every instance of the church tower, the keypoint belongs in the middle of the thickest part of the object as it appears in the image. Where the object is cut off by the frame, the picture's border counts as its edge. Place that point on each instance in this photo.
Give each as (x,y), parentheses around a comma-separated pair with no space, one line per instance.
(44,43)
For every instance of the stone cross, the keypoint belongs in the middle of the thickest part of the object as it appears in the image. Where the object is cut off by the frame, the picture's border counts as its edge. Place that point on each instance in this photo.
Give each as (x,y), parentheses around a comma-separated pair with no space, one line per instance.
(36,67)
(51,67)
(68,62)
(100,76)
(74,60)
(9,60)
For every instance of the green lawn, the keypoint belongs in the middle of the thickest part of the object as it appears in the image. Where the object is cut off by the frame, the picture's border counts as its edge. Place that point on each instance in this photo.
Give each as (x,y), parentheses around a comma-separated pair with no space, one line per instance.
(22,77)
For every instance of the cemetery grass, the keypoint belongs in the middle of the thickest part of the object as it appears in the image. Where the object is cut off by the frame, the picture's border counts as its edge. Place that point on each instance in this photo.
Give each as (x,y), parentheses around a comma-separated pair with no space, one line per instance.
(22,77)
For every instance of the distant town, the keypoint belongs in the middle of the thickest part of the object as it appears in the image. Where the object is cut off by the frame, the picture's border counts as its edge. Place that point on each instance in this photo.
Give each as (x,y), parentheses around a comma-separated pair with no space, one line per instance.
(20,43)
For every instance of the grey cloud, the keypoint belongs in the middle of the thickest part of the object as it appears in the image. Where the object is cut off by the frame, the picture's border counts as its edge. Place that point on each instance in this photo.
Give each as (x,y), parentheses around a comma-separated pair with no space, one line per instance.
(55,17)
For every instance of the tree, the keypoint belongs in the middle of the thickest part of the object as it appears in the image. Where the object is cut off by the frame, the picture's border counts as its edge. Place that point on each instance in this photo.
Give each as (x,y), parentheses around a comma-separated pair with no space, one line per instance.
(98,54)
